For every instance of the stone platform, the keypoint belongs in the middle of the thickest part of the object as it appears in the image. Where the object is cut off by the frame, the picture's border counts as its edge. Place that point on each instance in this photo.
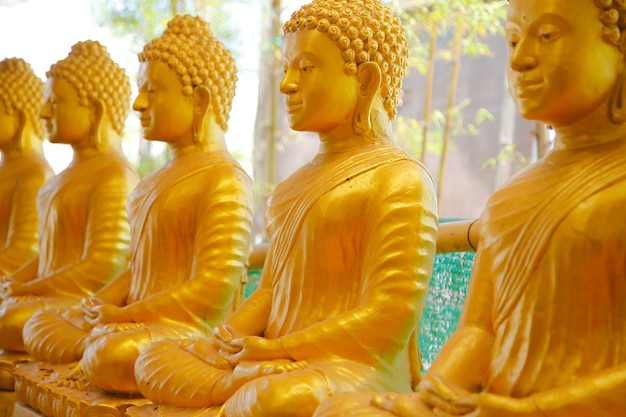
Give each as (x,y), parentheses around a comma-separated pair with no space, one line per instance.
(8,362)
(60,391)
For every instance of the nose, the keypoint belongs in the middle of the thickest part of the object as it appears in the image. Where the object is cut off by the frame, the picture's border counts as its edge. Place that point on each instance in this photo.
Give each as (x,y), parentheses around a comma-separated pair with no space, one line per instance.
(524,56)
(46,110)
(140,102)
(289,83)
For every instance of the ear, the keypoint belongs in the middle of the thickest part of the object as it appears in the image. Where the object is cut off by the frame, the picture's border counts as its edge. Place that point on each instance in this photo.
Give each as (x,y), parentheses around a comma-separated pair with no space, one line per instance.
(201,100)
(20,124)
(201,105)
(369,77)
(96,109)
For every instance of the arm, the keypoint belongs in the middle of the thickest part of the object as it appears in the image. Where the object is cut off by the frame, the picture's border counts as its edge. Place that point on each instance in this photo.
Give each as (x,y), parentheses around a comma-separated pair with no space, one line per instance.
(11,285)
(600,394)
(459,370)
(27,271)
(105,242)
(116,291)
(465,357)
(22,239)
(458,236)
(220,249)
(397,237)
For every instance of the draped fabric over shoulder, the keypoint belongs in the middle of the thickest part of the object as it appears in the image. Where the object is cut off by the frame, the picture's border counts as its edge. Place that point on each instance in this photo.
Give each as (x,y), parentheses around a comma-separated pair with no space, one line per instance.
(190,231)
(21,179)
(562,275)
(84,237)
(352,236)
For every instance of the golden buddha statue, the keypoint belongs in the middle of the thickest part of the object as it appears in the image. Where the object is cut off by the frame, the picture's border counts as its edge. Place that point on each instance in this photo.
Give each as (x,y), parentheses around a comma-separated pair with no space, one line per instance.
(352,241)
(83,227)
(190,221)
(23,169)
(543,331)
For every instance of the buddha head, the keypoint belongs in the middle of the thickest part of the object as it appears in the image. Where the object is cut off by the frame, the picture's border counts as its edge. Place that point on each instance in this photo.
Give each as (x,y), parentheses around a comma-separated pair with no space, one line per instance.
(21,98)
(185,74)
(566,60)
(343,59)
(85,93)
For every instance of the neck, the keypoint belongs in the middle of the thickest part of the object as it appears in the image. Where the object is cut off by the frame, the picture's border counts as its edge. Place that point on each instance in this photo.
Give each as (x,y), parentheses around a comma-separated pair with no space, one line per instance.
(342,140)
(214,142)
(593,129)
(29,145)
(107,138)
(571,138)
(90,151)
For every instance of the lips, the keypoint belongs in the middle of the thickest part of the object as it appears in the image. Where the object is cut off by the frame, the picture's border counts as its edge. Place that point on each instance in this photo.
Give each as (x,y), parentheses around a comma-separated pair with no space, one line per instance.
(145,122)
(293,106)
(525,88)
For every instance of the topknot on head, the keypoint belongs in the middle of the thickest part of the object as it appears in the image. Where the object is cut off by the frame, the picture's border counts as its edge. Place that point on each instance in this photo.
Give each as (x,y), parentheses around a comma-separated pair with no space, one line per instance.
(365,31)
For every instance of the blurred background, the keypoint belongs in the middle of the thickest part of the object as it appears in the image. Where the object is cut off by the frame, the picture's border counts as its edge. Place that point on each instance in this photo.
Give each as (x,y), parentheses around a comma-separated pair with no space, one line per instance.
(455,115)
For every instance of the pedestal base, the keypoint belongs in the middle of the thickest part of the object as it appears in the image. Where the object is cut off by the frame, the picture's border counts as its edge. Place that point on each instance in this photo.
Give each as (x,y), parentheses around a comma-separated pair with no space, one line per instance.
(7,403)
(8,361)
(22,410)
(152,410)
(47,389)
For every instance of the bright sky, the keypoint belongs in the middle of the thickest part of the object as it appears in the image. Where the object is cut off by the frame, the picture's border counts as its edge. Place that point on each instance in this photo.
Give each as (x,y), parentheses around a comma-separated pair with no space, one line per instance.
(42,32)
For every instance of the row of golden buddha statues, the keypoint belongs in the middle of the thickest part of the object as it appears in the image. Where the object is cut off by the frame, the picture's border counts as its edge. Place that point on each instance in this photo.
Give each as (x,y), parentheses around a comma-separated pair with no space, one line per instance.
(133,288)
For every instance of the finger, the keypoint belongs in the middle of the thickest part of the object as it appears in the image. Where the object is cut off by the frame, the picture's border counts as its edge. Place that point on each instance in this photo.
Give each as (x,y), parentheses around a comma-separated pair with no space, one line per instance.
(91,313)
(91,320)
(217,362)
(442,388)
(232,358)
(470,401)
(444,405)
(405,406)
(441,413)
(380,398)
(86,303)
(223,333)
(224,345)
(232,347)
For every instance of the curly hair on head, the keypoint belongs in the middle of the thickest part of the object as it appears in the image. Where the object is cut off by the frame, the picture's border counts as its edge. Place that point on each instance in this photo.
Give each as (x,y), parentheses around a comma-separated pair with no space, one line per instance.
(365,31)
(189,47)
(613,16)
(21,89)
(89,68)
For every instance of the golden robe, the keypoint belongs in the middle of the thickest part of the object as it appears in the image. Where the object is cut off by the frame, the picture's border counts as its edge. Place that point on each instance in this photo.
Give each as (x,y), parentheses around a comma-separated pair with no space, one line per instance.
(20,180)
(84,234)
(190,238)
(352,244)
(554,241)
(549,282)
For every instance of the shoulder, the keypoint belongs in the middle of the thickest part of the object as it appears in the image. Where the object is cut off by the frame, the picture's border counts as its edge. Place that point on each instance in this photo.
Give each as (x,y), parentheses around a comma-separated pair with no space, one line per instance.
(405,173)
(602,213)
(113,169)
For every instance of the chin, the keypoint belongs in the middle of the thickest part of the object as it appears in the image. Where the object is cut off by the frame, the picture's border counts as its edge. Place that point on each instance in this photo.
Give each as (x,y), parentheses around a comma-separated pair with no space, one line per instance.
(297,126)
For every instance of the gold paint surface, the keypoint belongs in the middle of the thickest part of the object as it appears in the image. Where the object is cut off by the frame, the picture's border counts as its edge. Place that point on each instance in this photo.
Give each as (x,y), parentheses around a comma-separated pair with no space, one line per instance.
(352,241)
(542,333)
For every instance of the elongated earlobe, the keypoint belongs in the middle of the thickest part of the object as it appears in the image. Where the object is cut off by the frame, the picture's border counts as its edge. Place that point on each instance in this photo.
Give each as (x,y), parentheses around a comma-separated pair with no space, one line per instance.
(617,113)
(617,104)
(201,104)
(369,77)
(20,123)
(97,113)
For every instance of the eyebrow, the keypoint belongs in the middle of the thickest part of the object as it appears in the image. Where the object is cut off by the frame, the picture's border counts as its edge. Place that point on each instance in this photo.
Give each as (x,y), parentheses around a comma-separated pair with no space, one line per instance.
(540,19)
